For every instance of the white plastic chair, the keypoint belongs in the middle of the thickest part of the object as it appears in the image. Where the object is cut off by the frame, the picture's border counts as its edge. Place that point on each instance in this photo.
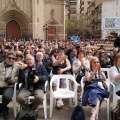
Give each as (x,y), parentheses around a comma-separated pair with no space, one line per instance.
(106,99)
(44,100)
(108,82)
(13,100)
(115,98)
(63,93)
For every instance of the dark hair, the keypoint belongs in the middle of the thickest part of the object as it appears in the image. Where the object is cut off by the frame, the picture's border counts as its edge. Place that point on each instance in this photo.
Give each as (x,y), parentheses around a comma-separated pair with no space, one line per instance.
(10,53)
(80,51)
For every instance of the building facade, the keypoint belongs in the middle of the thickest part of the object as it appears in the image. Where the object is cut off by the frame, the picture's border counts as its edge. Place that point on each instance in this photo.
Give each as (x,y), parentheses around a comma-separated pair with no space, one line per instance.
(72,9)
(94,17)
(84,5)
(44,19)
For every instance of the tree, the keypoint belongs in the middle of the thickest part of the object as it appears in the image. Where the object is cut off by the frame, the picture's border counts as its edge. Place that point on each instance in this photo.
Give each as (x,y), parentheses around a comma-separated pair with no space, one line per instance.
(77,26)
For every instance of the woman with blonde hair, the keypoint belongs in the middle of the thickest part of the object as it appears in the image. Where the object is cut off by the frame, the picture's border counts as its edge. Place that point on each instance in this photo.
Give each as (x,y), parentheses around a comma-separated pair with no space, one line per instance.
(89,54)
(94,92)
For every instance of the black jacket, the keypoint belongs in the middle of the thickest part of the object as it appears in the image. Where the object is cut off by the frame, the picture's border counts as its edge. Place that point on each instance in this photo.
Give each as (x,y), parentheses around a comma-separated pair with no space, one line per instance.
(117,42)
(40,72)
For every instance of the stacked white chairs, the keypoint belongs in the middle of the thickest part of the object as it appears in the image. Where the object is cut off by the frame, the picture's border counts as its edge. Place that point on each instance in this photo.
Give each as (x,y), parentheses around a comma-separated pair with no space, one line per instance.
(63,93)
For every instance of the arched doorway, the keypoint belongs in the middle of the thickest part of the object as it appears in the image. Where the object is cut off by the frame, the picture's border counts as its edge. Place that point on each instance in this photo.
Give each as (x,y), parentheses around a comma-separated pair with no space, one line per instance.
(51,32)
(12,30)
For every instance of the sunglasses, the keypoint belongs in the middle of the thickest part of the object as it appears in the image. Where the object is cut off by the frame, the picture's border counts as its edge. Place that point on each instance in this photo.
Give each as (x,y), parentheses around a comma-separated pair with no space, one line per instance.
(89,52)
(95,62)
(11,58)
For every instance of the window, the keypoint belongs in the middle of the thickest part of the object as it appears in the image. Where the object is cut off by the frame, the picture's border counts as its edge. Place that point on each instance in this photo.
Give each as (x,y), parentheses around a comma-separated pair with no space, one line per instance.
(82,3)
(89,2)
(82,9)
(72,6)
(73,11)
(93,4)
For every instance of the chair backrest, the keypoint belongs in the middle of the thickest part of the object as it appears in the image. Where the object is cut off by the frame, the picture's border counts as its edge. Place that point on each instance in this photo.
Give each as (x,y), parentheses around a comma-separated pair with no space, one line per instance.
(106,70)
(67,79)
(82,86)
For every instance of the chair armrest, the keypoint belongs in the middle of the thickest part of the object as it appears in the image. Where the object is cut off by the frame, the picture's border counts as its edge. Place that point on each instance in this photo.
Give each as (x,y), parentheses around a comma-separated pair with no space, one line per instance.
(113,87)
(46,84)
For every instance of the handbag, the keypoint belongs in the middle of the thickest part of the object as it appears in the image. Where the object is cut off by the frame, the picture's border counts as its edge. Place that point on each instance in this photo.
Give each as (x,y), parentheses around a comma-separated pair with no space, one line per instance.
(27,115)
(115,114)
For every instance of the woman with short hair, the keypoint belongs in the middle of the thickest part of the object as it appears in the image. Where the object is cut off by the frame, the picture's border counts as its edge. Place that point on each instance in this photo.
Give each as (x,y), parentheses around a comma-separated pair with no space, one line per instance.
(79,65)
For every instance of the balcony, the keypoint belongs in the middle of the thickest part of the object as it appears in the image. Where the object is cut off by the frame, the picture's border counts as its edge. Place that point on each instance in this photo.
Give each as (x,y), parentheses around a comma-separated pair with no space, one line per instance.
(98,21)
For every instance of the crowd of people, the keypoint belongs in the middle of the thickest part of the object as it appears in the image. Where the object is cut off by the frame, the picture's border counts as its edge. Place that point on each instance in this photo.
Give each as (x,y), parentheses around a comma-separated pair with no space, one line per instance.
(31,62)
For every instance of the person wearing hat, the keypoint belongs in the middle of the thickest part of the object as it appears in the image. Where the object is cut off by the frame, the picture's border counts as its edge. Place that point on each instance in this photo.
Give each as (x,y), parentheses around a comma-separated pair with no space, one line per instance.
(8,77)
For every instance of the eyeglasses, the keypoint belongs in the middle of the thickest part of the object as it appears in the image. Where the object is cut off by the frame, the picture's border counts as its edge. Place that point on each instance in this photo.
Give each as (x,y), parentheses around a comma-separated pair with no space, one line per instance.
(11,58)
(95,62)
(102,52)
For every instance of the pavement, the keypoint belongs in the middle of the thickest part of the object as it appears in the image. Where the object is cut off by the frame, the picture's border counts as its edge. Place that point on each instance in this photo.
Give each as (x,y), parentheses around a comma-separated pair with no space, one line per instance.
(64,113)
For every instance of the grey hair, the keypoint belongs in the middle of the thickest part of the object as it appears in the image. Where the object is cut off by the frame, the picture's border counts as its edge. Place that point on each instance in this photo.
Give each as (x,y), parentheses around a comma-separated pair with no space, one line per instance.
(30,55)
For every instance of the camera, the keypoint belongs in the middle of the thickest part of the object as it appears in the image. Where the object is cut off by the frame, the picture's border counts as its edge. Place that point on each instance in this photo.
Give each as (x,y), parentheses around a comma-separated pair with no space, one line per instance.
(8,80)
(32,75)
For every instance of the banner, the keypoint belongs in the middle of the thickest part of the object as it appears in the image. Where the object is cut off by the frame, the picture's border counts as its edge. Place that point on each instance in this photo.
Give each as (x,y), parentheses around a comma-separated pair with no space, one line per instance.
(112,23)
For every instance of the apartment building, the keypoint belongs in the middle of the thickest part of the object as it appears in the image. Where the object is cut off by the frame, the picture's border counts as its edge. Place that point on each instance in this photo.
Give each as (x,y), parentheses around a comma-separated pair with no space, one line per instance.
(94,14)
(84,5)
(72,8)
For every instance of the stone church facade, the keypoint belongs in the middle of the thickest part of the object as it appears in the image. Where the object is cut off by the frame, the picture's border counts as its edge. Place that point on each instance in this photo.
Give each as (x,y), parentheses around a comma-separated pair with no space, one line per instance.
(44,19)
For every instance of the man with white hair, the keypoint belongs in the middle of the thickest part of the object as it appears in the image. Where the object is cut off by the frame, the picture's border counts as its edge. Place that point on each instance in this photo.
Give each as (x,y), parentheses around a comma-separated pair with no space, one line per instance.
(33,79)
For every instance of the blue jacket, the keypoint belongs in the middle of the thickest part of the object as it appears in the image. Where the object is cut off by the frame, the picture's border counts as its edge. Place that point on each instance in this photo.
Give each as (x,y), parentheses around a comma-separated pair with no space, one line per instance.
(40,72)
(93,91)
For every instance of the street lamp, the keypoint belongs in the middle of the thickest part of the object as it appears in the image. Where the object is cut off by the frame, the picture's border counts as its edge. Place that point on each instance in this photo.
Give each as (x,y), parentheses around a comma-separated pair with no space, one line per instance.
(46,27)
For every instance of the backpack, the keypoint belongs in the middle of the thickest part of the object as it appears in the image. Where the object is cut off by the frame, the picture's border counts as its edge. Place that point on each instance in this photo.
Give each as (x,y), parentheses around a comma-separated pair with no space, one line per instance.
(78,113)
(27,115)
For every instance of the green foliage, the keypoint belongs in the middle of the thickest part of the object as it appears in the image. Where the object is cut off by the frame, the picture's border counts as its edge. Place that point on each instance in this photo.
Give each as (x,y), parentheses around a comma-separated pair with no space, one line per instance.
(77,26)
